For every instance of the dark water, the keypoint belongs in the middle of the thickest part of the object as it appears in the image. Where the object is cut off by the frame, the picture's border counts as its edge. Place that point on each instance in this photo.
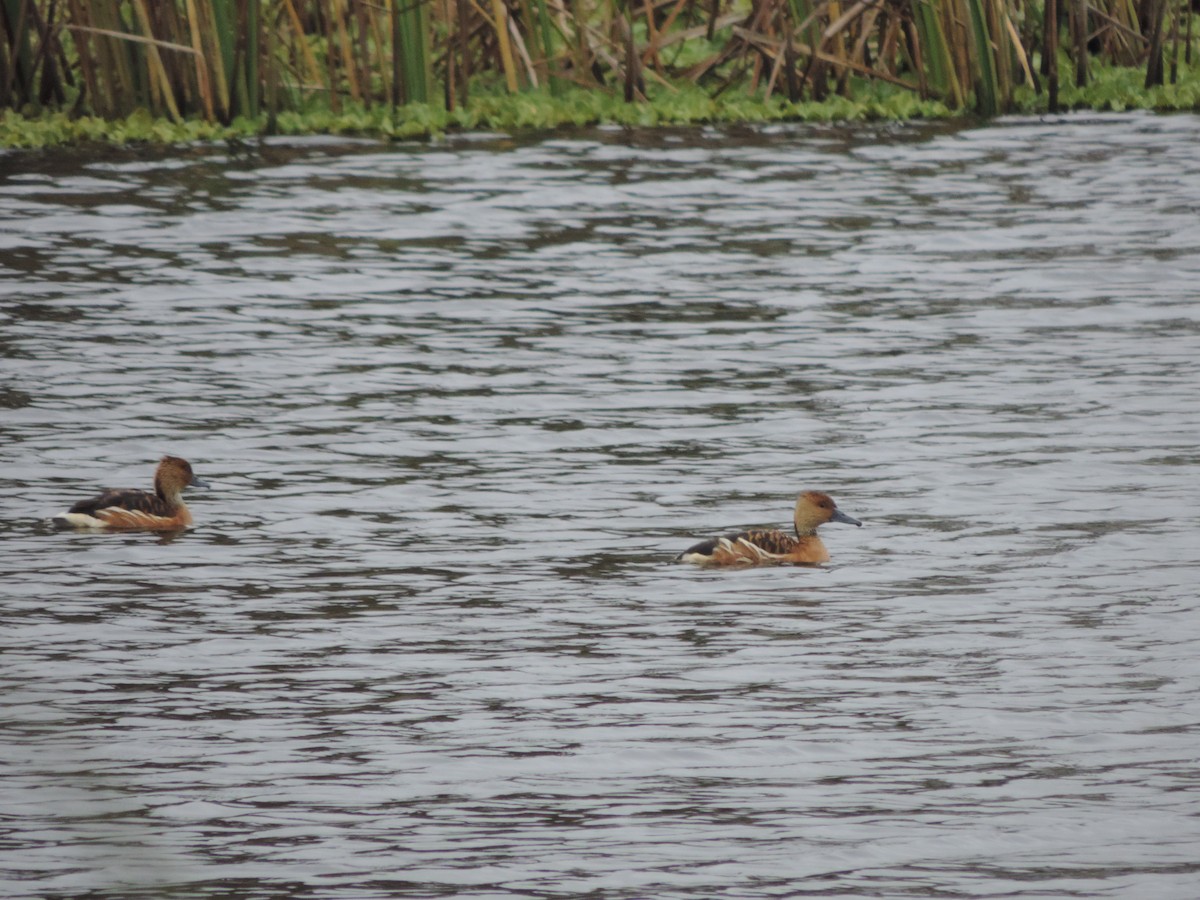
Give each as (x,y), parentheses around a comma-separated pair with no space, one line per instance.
(462,403)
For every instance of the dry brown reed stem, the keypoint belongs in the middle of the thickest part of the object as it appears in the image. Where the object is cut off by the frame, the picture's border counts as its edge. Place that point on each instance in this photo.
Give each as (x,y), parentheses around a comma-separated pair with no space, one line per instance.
(45,48)
(522,52)
(8,76)
(773,47)
(300,42)
(347,58)
(500,24)
(1187,43)
(160,86)
(1019,50)
(1050,56)
(464,46)
(203,82)
(655,44)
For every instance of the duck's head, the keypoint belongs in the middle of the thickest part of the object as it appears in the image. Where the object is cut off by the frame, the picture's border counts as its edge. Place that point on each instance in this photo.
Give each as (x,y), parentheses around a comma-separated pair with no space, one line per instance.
(814,509)
(173,475)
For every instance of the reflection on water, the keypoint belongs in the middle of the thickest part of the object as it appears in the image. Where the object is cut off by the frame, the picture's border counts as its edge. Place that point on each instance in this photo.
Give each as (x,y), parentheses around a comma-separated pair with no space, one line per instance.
(462,403)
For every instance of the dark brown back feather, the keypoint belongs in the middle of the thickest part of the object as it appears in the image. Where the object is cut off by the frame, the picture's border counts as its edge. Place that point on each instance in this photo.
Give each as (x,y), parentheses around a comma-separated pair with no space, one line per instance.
(141,501)
(771,540)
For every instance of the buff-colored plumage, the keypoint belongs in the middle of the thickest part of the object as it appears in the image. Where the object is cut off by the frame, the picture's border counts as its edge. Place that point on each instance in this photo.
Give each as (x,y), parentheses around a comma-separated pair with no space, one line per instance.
(127,509)
(771,546)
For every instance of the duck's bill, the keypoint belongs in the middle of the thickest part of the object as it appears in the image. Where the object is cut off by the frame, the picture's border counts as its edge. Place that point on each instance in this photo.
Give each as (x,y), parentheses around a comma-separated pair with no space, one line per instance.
(839,516)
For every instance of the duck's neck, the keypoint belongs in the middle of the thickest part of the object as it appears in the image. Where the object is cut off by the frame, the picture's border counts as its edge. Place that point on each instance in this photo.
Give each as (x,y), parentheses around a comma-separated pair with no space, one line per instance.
(803,531)
(168,493)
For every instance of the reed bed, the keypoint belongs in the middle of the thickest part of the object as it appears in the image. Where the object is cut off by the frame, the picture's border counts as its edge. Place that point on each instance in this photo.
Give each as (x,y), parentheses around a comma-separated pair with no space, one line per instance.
(216,60)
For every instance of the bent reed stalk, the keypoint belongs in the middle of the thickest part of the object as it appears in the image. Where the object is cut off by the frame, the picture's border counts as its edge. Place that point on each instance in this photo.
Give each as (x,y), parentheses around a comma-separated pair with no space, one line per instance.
(215,60)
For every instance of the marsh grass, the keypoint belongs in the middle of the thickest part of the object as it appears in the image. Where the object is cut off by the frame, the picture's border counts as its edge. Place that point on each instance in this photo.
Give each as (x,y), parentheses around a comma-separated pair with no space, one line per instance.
(225,61)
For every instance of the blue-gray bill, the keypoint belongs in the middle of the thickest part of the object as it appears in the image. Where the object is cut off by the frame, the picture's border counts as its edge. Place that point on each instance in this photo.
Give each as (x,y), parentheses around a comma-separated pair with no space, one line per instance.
(839,516)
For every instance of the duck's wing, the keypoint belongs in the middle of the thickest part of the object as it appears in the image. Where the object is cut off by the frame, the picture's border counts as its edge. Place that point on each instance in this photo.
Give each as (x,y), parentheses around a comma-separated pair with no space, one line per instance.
(126,500)
(742,548)
(767,543)
(125,509)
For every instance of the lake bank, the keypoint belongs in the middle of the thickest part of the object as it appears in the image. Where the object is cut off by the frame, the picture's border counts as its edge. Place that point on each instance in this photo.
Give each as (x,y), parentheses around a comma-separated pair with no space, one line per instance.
(1109,90)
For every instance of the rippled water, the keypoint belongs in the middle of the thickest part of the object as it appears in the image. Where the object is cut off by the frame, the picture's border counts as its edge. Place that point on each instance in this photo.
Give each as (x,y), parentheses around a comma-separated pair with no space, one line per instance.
(461,404)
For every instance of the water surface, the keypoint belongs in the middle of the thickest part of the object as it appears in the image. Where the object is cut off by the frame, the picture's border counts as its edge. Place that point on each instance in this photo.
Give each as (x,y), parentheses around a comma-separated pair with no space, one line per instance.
(462,403)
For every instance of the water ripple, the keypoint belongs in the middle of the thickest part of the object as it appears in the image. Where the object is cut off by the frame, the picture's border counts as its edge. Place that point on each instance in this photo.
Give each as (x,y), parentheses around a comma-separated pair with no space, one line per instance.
(461,403)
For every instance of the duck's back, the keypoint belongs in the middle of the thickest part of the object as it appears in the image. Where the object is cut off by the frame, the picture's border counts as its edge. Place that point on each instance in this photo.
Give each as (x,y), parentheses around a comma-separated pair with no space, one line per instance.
(125,498)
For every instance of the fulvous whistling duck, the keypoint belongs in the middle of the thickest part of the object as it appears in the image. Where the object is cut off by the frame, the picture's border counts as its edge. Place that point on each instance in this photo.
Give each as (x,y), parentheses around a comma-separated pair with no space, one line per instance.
(163,510)
(771,546)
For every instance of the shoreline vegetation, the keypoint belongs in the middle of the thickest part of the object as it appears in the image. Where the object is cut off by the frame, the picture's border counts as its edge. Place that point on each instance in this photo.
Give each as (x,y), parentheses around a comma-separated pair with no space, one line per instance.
(174,71)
